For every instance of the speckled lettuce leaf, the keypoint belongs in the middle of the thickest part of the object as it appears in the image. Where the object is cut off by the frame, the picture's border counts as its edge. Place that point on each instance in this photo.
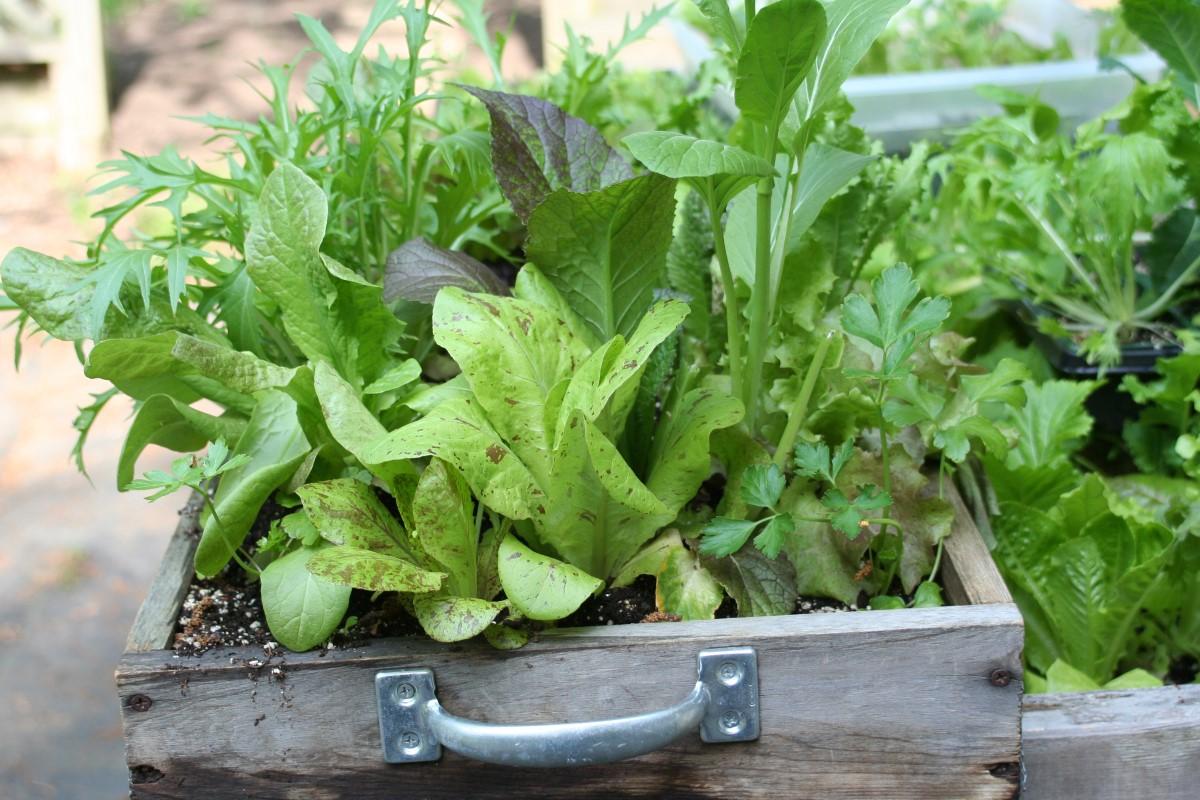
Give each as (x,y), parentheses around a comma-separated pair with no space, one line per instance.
(540,587)
(513,354)
(276,445)
(458,431)
(687,589)
(605,251)
(240,371)
(681,459)
(347,512)
(650,560)
(780,48)
(168,423)
(284,261)
(445,526)
(538,148)
(454,619)
(418,269)
(373,571)
(302,609)
(678,155)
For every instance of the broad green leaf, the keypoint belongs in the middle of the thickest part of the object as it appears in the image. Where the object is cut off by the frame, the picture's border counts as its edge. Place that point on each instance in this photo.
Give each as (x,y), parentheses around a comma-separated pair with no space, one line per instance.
(887,602)
(538,148)
(418,269)
(455,619)
(166,422)
(1062,677)
(650,560)
(403,374)
(284,261)
(760,586)
(826,172)
(373,571)
(1171,28)
(605,250)
(540,587)
(513,354)
(347,512)
(372,330)
(678,155)
(825,560)
(1134,679)
(302,609)
(241,372)
(928,595)
(780,48)
(762,484)
(53,292)
(445,526)
(503,637)
(1052,423)
(458,432)
(720,17)
(851,27)
(533,287)
(276,445)
(686,588)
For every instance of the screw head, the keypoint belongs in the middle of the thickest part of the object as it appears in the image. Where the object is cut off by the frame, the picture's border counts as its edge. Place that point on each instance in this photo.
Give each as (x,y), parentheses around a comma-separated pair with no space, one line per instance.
(410,740)
(404,693)
(729,673)
(140,702)
(1000,677)
(732,721)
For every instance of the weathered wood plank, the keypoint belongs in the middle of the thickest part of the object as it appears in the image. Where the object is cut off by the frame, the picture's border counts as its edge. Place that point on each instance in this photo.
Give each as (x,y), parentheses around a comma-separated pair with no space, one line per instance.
(1112,745)
(897,704)
(154,626)
(970,576)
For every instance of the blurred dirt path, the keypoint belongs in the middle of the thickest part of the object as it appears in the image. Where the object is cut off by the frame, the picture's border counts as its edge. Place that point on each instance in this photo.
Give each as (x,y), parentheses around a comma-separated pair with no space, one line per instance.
(76,558)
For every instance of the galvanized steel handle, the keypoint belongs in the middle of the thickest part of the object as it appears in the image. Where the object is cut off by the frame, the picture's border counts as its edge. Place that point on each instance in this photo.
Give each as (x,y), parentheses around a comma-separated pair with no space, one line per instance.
(723,704)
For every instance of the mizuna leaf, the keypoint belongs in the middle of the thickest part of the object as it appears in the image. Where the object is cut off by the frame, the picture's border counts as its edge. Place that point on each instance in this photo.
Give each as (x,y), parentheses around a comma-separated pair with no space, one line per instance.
(373,571)
(1172,28)
(302,609)
(540,587)
(276,445)
(166,422)
(455,619)
(678,155)
(605,250)
(780,48)
(681,460)
(538,148)
(418,269)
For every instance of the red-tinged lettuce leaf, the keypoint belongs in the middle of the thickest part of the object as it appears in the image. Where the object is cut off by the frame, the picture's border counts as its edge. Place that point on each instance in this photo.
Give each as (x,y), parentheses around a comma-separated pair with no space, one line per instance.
(418,269)
(537,148)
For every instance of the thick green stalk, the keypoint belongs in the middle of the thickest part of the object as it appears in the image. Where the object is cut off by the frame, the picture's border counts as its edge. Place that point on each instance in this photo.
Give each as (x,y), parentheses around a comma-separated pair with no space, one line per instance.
(760,303)
(799,410)
(733,336)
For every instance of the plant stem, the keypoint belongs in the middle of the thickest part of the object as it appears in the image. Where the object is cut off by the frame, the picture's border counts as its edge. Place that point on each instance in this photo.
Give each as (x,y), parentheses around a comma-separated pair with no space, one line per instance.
(760,301)
(1154,309)
(749,8)
(1052,234)
(799,410)
(733,336)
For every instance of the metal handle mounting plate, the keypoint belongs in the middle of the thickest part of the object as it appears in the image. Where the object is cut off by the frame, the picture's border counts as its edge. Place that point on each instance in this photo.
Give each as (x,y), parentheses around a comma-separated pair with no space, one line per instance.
(414,727)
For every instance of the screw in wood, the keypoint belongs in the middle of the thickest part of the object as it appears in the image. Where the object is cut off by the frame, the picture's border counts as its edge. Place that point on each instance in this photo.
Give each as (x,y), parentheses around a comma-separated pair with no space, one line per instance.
(1000,677)
(140,702)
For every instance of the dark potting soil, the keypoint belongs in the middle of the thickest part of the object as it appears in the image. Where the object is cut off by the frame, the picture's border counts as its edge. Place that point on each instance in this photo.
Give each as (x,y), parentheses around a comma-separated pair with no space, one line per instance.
(1185,669)
(225,611)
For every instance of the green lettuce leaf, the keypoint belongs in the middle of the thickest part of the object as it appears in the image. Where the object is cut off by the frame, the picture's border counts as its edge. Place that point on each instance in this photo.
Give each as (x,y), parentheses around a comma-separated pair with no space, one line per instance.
(302,609)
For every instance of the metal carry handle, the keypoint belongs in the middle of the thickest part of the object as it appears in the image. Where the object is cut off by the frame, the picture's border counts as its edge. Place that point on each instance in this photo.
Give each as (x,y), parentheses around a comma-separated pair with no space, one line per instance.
(723,704)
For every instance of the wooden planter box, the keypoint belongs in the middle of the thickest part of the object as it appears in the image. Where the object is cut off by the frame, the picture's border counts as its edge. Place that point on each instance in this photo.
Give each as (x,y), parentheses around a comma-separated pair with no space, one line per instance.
(921,703)
(1112,745)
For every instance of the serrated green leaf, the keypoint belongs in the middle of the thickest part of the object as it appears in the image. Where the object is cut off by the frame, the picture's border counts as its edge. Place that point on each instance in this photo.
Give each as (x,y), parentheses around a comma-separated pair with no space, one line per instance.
(723,536)
(774,535)
(605,250)
(762,484)
(166,422)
